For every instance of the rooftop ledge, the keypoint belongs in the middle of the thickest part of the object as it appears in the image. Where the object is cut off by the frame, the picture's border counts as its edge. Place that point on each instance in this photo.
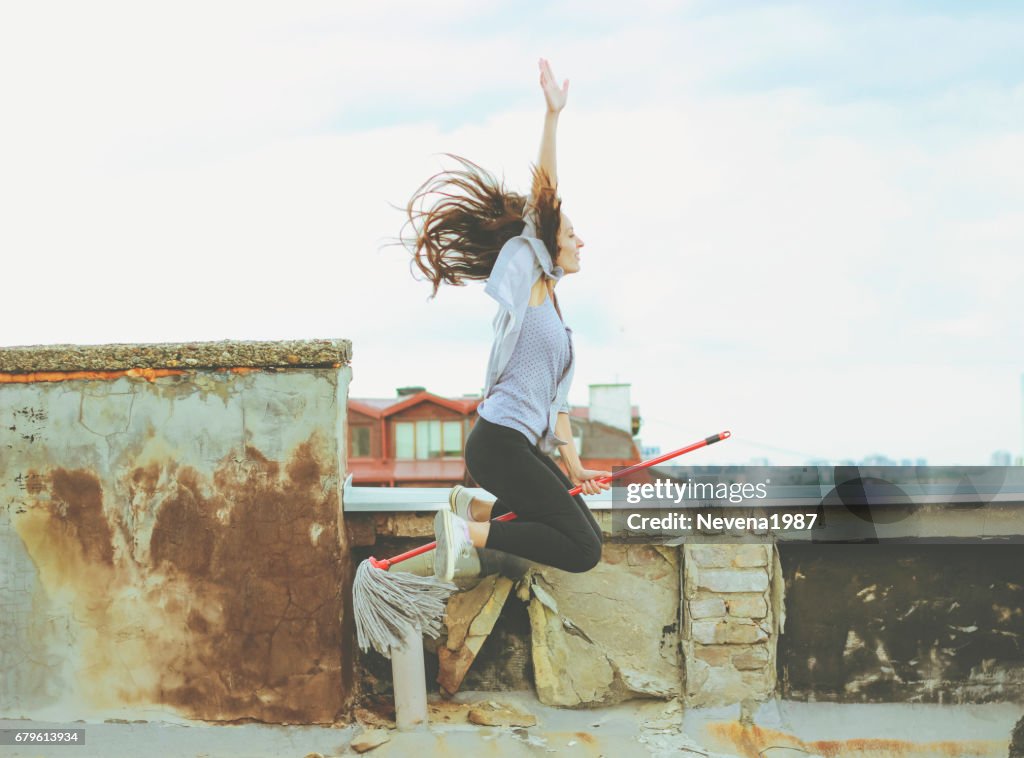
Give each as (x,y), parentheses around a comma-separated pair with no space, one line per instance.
(322,353)
(412,499)
(936,498)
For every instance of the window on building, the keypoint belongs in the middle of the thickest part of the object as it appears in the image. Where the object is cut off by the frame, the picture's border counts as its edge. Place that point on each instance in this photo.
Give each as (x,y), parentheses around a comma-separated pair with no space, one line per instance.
(405,441)
(452,435)
(428,439)
(359,441)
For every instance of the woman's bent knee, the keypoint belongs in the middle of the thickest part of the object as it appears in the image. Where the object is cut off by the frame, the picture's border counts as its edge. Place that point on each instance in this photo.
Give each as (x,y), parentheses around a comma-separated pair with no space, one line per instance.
(587,557)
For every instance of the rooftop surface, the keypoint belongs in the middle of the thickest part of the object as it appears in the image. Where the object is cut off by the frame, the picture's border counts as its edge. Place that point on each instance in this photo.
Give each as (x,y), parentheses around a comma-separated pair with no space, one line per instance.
(641,728)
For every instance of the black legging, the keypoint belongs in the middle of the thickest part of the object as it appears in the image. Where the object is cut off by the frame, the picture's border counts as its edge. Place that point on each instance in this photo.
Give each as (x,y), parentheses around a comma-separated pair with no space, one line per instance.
(551,527)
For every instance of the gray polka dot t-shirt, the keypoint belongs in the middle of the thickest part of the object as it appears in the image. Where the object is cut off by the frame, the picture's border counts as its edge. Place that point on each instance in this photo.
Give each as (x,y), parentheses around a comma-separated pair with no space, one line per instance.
(522,397)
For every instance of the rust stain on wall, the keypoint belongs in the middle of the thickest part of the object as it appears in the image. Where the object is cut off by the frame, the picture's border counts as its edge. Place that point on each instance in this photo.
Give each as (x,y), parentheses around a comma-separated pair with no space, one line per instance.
(149,374)
(232,613)
(79,501)
(753,740)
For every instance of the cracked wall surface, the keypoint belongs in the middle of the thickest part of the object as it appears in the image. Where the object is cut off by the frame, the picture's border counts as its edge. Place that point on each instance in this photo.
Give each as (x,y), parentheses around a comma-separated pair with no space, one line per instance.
(609,634)
(171,543)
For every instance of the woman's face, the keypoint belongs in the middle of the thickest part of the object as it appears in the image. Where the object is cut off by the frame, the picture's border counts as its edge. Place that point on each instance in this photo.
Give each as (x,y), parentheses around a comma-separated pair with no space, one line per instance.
(569,246)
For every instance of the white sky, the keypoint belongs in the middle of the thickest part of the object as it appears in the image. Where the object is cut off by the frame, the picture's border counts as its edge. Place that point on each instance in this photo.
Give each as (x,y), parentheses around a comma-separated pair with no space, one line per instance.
(803,220)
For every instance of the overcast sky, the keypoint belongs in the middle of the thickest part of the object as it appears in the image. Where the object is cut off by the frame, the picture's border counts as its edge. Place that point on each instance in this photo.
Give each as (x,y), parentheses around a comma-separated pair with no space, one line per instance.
(803,221)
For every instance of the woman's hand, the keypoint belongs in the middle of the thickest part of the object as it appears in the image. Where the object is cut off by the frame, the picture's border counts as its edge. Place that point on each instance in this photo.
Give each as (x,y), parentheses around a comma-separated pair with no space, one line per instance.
(554,96)
(590,479)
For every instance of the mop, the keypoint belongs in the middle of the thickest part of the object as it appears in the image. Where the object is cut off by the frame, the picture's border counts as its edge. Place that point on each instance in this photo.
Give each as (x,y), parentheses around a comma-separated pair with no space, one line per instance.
(388,605)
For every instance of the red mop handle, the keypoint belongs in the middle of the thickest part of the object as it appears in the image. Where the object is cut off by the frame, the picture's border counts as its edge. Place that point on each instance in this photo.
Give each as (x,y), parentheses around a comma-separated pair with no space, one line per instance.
(386,563)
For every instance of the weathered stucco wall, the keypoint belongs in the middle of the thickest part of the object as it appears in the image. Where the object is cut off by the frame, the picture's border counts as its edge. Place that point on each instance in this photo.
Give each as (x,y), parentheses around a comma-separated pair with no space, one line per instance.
(170,532)
(904,623)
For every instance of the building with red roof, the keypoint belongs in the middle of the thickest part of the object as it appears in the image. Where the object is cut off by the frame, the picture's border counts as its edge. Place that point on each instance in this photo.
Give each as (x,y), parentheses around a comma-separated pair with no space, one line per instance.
(417,439)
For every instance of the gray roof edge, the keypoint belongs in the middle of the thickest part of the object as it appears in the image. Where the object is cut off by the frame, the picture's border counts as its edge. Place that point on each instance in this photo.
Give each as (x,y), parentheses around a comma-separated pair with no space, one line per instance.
(181,355)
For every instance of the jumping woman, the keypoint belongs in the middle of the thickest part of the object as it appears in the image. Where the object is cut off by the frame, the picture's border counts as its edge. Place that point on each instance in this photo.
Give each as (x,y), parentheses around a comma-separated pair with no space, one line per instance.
(522,246)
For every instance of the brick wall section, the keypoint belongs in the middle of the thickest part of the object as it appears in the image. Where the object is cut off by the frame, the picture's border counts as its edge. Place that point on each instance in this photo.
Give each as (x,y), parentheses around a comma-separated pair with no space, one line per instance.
(731,621)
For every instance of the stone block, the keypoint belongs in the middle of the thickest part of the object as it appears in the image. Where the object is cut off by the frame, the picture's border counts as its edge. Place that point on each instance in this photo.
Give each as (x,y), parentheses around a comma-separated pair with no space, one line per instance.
(713,655)
(711,556)
(705,632)
(696,676)
(749,556)
(360,529)
(490,713)
(732,580)
(608,634)
(463,608)
(754,657)
(726,631)
(747,606)
(484,621)
(559,677)
(739,633)
(757,684)
(417,525)
(613,554)
(710,686)
(453,666)
(711,607)
(643,555)
(470,617)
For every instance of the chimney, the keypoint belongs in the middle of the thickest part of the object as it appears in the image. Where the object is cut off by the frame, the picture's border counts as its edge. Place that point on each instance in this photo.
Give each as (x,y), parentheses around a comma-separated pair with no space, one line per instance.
(609,404)
(406,391)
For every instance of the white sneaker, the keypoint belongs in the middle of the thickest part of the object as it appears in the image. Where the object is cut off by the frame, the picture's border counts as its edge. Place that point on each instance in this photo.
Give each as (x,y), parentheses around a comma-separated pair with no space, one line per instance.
(453,542)
(460,499)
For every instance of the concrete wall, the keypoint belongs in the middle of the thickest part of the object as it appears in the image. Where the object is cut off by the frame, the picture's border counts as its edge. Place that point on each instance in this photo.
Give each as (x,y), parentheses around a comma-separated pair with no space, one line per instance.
(172,542)
(720,624)
(170,535)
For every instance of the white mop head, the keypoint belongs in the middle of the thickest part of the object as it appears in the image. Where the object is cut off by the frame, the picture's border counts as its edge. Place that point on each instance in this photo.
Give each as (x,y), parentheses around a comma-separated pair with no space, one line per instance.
(386,604)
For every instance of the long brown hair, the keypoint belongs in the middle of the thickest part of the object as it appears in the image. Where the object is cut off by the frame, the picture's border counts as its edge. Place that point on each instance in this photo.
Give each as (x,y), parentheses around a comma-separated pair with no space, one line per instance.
(461,218)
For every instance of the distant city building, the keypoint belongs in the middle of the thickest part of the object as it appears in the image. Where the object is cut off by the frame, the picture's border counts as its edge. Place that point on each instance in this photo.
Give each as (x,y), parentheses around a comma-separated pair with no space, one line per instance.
(871,460)
(878,460)
(610,405)
(604,430)
(650,451)
(1001,458)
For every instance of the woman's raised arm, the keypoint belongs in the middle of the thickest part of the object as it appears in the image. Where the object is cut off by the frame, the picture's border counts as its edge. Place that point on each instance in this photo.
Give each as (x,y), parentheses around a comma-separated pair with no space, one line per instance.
(555,97)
